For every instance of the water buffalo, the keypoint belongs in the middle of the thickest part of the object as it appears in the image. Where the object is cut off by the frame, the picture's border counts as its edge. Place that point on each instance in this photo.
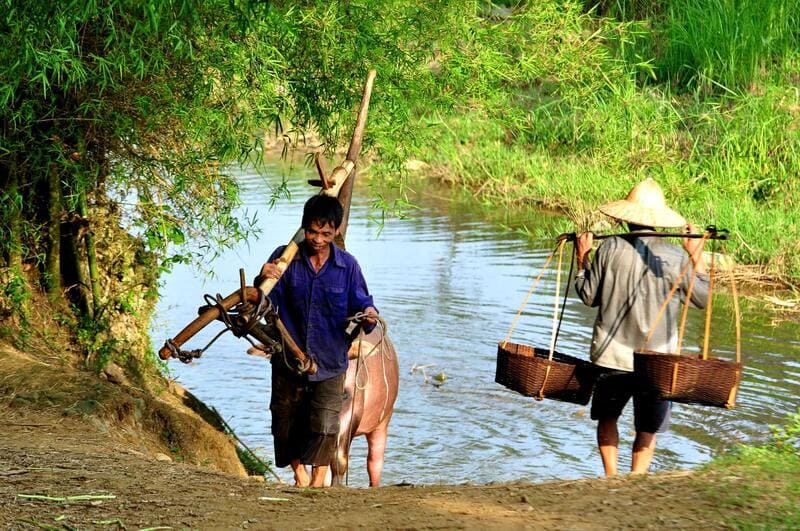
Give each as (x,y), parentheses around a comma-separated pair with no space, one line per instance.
(371,385)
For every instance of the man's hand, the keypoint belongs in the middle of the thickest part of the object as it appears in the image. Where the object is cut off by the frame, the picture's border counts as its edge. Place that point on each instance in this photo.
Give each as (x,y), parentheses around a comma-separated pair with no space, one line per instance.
(583,245)
(370,315)
(270,270)
(694,246)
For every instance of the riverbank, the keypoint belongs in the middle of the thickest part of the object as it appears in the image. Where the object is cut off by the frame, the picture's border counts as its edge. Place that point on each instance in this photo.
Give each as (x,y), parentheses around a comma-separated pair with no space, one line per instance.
(68,433)
(474,153)
(61,473)
(621,98)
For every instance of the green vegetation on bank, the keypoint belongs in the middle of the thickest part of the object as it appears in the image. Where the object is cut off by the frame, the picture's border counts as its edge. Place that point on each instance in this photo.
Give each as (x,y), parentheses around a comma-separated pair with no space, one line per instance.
(701,95)
(771,482)
(120,119)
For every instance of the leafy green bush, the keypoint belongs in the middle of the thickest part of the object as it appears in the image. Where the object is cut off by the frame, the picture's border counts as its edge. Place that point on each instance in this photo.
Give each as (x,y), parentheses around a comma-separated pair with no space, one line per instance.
(787,438)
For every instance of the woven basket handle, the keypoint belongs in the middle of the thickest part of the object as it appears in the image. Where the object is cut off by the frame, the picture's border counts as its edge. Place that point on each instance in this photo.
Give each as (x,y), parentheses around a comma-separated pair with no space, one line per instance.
(737,315)
(707,329)
(560,250)
(685,314)
(671,293)
(556,320)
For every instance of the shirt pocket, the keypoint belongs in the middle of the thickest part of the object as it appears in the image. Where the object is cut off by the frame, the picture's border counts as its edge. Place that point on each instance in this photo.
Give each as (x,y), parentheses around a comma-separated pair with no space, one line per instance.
(335,303)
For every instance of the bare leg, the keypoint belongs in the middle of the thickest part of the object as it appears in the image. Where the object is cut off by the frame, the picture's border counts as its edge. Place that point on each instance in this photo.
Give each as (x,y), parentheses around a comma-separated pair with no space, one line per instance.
(608,442)
(300,473)
(376,443)
(318,474)
(339,463)
(644,446)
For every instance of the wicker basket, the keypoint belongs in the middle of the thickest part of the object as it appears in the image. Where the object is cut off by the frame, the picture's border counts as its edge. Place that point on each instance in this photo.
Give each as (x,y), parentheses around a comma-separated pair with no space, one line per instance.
(689,379)
(529,371)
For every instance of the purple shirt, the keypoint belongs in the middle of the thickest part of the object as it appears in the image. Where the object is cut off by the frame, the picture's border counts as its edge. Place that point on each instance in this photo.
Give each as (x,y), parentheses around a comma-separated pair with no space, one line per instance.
(314,306)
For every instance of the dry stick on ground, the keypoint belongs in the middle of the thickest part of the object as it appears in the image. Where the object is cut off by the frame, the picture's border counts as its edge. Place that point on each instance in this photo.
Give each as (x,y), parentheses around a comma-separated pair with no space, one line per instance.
(28,425)
(68,499)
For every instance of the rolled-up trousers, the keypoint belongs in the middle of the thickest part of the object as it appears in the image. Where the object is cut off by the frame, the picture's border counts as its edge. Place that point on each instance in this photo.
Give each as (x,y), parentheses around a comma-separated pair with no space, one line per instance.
(305,416)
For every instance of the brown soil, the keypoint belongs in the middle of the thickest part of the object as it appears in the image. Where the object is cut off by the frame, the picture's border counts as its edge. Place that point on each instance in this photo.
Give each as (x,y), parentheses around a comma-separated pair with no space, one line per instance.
(144,460)
(61,458)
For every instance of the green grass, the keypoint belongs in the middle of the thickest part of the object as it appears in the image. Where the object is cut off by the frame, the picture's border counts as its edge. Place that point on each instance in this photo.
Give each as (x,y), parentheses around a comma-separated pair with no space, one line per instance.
(768,492)
(699,94)
(727,42)
(728,160)
(714,45)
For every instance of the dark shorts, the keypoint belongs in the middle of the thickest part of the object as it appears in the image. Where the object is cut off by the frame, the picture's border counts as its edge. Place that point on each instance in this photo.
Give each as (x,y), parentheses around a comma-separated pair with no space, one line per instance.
(305,417)
(613,391)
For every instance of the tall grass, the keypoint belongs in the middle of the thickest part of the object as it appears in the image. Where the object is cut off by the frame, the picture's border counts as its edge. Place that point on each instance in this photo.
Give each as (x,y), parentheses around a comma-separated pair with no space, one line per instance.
(727,42)
(716,45)
(726,157)
(732,162)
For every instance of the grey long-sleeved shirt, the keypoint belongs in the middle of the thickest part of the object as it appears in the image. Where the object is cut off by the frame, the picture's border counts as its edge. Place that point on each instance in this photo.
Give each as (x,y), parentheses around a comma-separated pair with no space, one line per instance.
(628,280)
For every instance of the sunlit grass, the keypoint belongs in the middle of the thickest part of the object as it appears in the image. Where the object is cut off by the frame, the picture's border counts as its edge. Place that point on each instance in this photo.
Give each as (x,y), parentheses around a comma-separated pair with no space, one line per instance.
(769,482)
(729,161)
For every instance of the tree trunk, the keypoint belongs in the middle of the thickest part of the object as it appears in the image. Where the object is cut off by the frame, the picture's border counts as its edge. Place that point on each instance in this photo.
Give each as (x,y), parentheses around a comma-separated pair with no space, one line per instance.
(52,271)
(13,252)
(72,273)
(91,254)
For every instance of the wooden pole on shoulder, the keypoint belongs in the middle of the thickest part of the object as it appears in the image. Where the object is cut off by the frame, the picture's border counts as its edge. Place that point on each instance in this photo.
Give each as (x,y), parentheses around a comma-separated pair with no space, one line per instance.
(336,180)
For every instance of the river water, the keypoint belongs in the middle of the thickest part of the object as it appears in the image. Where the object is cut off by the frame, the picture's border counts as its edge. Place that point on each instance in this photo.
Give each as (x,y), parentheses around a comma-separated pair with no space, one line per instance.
(449,284)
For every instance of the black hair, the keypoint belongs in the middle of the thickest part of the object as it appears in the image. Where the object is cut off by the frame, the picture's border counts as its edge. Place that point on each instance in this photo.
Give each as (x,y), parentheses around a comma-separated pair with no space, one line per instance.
(323,209)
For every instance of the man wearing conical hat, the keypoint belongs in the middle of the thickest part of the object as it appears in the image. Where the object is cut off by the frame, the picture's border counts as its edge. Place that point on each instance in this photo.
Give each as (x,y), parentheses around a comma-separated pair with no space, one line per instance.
(628,281)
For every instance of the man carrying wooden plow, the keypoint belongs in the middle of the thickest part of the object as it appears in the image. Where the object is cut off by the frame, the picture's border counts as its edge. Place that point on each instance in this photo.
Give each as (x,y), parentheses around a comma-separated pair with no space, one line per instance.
(629,281)
(320,289)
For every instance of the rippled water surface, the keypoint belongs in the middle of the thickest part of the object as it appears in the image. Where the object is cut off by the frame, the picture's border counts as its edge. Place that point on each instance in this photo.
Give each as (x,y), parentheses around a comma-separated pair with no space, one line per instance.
(449,285)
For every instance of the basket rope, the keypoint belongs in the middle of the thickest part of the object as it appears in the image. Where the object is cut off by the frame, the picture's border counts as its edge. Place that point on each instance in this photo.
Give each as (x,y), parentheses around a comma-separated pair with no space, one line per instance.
(573,256)
(553,334)
(556,317)
(666,302)
(542,271)
(738,316)
(685,314)
(707,328)
(732,395)
(556,320)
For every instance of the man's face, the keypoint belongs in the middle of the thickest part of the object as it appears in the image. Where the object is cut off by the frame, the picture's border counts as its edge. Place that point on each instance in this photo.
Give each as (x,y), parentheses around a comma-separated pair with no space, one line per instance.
(319,237)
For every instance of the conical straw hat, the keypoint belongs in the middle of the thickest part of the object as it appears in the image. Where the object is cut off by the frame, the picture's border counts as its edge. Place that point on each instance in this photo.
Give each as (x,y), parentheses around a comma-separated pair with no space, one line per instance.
(645,205)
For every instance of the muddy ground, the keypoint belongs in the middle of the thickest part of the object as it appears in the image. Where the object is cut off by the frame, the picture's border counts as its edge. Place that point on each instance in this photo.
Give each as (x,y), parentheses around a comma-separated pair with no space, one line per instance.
(48,462)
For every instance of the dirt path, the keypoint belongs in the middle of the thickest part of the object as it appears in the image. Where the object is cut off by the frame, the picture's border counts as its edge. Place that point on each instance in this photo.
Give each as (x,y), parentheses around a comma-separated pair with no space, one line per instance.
(59,457)
(79,452)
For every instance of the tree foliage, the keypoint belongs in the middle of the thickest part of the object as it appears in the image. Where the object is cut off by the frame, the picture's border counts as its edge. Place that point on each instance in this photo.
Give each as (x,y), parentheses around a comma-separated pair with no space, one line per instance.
(131,112)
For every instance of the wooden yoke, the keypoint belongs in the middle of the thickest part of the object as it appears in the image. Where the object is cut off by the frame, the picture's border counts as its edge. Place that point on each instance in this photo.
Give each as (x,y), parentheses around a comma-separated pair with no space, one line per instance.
(334,183)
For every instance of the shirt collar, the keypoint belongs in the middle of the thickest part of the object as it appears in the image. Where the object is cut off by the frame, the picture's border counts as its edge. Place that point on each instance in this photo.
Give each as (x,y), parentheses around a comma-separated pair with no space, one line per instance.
(336,258)
(336,254)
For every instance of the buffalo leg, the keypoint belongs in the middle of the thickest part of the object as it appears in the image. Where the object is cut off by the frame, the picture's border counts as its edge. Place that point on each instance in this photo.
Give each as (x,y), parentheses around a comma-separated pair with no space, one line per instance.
(340,462)
(376,442)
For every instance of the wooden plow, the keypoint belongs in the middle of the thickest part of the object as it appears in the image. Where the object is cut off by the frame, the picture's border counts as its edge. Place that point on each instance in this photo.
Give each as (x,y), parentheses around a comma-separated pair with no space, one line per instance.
(243,310)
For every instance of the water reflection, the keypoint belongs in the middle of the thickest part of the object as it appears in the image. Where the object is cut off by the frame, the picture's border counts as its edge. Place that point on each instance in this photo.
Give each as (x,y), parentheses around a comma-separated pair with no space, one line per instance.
(449,285)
